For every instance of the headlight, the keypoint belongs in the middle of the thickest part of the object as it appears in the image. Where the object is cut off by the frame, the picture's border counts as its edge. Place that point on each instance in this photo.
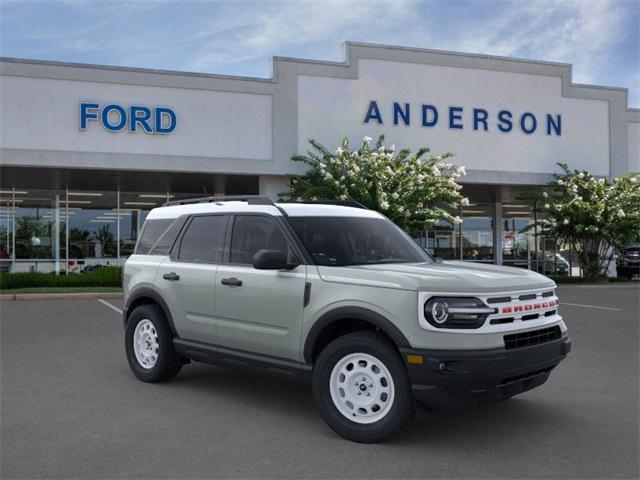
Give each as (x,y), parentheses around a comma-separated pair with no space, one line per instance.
(453,312)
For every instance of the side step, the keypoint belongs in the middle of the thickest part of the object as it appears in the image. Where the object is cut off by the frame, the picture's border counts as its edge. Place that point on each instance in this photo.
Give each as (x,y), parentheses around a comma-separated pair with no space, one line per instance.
(225,357)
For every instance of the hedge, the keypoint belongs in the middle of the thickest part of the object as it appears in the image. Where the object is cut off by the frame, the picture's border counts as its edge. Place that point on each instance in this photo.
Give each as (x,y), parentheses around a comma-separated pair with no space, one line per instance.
(101,277)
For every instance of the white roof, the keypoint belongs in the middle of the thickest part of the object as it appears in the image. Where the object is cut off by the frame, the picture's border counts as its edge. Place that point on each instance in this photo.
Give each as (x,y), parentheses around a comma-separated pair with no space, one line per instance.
(292,209)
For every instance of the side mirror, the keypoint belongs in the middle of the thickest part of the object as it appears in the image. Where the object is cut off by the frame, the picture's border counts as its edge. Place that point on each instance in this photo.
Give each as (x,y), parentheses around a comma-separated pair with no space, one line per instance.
(272,260)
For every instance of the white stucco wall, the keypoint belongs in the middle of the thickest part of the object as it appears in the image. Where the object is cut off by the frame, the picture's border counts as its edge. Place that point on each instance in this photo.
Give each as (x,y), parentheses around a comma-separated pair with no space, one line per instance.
(633,137)
(43,114)
(329,108)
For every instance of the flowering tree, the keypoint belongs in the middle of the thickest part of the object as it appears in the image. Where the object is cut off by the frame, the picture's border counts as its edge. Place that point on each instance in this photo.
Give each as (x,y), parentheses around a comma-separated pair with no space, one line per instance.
(409,188)
(593,215)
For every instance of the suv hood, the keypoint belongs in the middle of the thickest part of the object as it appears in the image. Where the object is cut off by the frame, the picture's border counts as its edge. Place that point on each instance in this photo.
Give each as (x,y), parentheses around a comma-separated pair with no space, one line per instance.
(445,277)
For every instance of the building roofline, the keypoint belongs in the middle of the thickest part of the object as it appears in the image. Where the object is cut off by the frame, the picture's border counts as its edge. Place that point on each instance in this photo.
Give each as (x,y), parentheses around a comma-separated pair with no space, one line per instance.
(346,62)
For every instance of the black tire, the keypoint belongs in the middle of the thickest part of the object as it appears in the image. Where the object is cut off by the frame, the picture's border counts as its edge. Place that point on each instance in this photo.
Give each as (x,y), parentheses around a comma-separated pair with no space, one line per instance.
(168,364)
(376,345)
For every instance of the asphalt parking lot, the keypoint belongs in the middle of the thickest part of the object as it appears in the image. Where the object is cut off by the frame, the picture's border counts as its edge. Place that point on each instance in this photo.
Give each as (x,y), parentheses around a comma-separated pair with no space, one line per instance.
(71,408)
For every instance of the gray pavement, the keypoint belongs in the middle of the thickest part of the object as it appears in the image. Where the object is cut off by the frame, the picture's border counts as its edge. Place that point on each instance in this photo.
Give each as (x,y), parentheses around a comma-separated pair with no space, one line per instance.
(71,408)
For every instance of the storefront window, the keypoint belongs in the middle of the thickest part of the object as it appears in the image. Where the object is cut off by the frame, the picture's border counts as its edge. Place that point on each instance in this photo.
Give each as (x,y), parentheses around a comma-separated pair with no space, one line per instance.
(477,232)
(92,229)
(518,237)
(37,226)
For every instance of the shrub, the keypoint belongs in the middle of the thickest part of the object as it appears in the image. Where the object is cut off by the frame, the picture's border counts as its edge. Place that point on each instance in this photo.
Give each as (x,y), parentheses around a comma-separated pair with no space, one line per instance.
(101,277)
(409,188)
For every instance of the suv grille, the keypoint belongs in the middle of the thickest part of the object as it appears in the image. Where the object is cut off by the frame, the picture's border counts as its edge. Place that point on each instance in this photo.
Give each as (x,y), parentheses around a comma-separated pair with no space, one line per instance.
(535,337)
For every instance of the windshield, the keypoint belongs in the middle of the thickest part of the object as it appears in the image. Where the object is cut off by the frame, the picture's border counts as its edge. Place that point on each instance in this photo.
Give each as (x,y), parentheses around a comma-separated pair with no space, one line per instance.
(344,241)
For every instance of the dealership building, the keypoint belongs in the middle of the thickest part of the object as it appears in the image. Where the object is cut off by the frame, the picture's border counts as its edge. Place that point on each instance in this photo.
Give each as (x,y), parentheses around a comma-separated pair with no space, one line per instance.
(88,150)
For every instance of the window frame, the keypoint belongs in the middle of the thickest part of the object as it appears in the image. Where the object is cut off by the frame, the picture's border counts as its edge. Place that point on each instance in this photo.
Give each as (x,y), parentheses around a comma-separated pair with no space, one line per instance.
(285,229)
(177,245)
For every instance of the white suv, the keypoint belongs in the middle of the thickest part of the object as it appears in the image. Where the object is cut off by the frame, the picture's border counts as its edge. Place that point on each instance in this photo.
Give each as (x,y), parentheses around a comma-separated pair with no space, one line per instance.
(337,295)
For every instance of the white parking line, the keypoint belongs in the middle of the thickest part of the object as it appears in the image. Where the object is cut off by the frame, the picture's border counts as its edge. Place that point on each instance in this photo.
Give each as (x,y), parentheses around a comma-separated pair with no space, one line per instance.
(112,307)
(590,306)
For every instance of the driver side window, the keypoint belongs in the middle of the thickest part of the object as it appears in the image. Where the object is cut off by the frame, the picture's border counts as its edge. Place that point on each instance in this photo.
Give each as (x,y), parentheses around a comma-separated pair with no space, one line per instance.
(252,233)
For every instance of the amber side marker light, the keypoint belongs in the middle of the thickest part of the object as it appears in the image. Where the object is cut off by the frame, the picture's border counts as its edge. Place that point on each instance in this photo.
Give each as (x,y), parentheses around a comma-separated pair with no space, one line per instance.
(415,359)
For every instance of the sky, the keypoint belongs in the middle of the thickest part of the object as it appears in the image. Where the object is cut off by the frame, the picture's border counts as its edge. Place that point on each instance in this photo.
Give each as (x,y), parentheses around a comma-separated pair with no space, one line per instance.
(600,38)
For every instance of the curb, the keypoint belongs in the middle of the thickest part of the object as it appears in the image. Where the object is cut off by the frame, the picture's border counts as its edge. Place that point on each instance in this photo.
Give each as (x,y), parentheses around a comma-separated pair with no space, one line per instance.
(58,296)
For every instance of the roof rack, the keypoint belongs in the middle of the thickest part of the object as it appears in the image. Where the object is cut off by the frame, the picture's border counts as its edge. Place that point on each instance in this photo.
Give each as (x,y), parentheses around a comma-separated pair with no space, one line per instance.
(250,199)
(344,203)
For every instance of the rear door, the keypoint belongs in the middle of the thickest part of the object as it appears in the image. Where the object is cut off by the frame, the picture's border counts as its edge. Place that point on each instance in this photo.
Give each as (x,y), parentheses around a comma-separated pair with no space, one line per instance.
(187,278)
(259,310)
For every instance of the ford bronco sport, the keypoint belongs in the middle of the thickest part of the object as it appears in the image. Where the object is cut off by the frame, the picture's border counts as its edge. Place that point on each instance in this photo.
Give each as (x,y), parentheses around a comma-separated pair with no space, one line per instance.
(337,295)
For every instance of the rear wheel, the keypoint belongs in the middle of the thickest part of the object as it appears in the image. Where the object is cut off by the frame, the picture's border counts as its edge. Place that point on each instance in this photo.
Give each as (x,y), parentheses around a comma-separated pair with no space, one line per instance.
(362,388)
(149,345)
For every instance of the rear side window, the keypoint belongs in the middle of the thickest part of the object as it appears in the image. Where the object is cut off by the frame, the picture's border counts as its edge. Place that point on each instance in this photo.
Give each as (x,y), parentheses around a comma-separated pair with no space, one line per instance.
(152,231)
(203,240)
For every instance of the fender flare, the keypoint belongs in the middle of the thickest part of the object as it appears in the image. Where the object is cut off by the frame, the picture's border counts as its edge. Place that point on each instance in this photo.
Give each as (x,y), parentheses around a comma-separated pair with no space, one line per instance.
(356,313)
(148,292)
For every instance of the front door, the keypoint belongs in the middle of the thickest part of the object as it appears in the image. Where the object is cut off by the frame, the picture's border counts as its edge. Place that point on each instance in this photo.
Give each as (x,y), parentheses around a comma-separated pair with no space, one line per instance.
(187,280)
(259,310)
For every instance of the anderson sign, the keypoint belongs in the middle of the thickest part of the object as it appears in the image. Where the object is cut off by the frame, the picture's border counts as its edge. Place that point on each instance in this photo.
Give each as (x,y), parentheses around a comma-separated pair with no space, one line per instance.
(461,118)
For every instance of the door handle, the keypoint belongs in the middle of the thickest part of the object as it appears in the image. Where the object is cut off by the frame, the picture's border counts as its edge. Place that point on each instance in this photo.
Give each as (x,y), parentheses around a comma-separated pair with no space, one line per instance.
(232,282)
(173,276)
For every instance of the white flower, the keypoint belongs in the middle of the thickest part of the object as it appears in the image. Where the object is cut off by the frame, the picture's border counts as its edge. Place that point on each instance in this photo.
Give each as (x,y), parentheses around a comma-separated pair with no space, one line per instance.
(581,175)
(461,170)
(601,181)
(407,214)
(392,148)
(560,182)
(565,221)
(546,205)
(328,176)
(464,202)
(621,213)
(384,205)
(558,207)
(367,139)
(395,195)
(545,194)
(343,197)
(634,179)
(457,220)
(339,151)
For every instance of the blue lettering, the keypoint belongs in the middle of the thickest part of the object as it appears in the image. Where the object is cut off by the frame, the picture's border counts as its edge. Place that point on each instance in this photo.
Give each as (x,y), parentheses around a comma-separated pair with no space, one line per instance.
(425,115)
(480,116)
(556,125)
(373,112)
(105,118)
(399,112)
(455,113)
(86,114)
(523,123)
(505,124)
(139,115)
(162,112)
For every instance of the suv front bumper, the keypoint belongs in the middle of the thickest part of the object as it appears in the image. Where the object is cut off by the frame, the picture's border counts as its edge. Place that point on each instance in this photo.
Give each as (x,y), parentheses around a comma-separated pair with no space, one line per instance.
(460,378)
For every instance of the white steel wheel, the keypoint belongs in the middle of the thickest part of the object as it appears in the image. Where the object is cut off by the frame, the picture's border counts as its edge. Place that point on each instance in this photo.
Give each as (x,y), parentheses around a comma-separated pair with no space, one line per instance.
(362,388)
(145,344)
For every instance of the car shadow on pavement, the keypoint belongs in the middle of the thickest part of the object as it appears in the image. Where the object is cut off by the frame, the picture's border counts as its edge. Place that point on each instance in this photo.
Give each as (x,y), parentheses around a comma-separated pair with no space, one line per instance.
(515,418)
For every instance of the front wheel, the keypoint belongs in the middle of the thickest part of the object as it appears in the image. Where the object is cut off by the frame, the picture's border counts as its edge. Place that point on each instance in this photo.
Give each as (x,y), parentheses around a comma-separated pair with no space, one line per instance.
(149,345)
(361,387)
